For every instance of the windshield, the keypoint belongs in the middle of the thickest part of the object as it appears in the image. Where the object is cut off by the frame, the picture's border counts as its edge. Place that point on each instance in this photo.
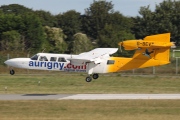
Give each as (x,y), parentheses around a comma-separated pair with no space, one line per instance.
(35,57)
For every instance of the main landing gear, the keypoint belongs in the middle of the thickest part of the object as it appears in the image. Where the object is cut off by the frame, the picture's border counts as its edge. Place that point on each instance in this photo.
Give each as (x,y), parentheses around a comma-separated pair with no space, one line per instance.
(89,78)
(12,72)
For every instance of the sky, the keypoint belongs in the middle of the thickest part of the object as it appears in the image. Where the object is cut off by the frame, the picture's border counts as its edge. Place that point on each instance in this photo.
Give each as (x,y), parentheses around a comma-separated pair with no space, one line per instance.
(126,7)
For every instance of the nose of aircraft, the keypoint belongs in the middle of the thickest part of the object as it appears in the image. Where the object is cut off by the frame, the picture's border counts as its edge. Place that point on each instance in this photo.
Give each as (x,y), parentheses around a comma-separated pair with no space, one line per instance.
(16,62)
(7,62)
(10,62)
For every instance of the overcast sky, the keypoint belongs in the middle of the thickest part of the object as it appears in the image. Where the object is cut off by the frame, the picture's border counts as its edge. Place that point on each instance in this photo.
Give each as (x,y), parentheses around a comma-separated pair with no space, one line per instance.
(126,7)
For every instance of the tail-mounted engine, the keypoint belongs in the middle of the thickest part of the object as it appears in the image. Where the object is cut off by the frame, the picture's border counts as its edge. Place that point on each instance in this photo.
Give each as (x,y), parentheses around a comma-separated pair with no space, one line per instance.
(155,41)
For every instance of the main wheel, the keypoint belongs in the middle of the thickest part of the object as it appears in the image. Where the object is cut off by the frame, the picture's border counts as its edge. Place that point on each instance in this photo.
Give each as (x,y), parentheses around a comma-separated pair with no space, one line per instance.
(12,72)
(88,79)
(95,76)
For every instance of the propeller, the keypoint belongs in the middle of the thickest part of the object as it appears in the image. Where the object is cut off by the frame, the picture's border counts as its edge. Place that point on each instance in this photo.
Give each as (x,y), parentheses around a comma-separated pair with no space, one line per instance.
(174,45)
(120,46)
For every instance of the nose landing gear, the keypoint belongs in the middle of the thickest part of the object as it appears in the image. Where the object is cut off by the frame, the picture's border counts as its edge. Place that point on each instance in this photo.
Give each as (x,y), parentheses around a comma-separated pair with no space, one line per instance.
(12,72)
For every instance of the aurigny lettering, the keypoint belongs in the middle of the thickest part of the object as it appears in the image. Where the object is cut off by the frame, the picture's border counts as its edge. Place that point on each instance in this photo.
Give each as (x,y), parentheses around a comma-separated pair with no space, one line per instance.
(49,65)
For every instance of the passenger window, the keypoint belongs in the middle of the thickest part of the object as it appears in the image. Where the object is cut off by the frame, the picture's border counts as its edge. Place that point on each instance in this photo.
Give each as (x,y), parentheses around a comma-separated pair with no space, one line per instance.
(43,58)
(53,58)
(61,59)
(110,62)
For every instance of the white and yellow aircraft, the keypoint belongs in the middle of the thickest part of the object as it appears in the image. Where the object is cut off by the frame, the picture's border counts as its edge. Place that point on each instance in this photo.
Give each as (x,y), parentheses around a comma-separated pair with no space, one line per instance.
(152,51)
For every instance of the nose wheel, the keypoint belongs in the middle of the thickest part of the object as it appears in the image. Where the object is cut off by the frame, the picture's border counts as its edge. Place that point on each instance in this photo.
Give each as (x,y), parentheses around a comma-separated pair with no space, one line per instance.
(12,72)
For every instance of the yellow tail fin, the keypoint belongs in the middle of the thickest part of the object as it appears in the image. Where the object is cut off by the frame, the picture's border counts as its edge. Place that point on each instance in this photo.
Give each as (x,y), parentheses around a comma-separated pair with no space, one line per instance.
(158,38)
(158,49)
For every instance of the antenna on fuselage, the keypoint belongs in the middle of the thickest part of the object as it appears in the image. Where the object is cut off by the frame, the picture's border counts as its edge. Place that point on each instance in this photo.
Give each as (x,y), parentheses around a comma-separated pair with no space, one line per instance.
(43,50)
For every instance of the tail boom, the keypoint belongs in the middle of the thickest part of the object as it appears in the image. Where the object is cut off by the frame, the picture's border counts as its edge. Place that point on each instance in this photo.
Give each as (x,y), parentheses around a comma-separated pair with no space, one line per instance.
(152,51)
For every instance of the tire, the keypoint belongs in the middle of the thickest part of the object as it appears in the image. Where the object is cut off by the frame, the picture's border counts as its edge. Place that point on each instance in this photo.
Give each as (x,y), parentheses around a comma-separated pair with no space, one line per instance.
(88,79)
(12,72)
(95,76)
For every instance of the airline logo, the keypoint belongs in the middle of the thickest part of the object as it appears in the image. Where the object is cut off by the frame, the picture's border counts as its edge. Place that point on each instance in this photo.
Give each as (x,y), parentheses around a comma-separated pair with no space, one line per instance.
(48,65)
(75,68)
(57,65)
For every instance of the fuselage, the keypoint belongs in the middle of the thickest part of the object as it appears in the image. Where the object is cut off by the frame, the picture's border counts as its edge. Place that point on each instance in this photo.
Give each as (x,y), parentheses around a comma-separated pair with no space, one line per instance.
(61,62)
(56,62)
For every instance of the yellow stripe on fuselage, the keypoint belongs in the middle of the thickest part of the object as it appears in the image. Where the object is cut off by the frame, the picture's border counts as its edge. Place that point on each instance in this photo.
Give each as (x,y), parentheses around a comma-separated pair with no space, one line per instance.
(122,63)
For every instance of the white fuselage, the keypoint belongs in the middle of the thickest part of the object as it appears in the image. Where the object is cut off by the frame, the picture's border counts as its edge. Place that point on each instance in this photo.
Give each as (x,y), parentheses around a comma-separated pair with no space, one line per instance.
(56,62)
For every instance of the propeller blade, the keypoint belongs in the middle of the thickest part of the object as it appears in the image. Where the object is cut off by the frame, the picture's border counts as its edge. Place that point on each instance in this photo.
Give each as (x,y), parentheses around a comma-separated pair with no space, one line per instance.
(120,46)
(120,49)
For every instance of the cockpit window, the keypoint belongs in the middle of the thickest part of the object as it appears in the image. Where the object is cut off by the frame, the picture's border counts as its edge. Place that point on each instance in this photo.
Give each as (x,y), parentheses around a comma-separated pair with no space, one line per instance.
(43,58)
(35,57)
(61,59)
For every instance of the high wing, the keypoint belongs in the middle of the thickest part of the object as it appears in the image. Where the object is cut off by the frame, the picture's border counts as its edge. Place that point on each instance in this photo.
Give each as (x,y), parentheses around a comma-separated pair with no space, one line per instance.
(95,56)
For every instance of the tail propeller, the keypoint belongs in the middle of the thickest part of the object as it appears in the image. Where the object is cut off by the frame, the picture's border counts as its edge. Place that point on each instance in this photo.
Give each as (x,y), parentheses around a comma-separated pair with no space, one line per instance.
(120,46)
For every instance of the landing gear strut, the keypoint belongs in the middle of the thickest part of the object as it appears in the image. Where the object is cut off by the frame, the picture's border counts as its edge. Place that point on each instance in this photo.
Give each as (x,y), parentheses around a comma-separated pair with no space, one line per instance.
(12,72)
(89,78)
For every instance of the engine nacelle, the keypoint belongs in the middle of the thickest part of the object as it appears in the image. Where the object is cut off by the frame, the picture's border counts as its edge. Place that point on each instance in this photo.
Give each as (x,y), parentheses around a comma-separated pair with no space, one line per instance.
(135,44)
(130,44)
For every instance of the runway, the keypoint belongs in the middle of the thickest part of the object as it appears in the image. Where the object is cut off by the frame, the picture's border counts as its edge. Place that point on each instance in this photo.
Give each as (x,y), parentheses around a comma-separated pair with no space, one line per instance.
(89,96)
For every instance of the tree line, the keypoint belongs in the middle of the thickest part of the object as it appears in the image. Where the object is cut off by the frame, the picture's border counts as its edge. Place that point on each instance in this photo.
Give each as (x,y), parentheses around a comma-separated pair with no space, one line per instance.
(26,30)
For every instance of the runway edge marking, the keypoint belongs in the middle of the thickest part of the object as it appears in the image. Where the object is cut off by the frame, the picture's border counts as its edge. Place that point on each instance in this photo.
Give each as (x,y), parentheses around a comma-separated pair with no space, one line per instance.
(122,97)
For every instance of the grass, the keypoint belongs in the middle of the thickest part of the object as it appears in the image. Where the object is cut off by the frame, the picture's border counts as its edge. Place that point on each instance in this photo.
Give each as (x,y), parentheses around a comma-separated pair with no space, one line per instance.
(91,110)
(56,83)
(75,83)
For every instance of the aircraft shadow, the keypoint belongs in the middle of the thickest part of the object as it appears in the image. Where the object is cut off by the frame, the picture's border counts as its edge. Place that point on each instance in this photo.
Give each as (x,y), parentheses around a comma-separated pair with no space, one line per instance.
(38,94)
